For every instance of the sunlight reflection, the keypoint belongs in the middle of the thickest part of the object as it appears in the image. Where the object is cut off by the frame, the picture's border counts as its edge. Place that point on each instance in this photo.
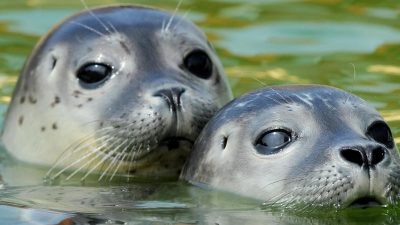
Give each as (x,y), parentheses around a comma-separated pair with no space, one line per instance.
(387,69)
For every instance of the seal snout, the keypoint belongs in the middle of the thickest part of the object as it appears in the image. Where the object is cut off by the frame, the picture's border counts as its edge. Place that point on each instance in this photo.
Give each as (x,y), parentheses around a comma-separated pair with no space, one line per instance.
(367,157)
(172,97)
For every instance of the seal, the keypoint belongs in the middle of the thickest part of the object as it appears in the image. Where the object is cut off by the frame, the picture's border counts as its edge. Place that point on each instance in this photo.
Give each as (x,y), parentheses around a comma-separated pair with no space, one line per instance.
(115,90)
(298,147)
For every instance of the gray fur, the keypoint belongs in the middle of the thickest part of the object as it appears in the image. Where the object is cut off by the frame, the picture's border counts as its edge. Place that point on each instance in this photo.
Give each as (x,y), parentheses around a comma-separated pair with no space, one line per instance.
(309,172)
(120,126)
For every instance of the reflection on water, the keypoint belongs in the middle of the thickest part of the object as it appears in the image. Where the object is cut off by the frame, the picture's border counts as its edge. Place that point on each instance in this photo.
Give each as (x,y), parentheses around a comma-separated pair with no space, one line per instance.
(353,45)
(307,38)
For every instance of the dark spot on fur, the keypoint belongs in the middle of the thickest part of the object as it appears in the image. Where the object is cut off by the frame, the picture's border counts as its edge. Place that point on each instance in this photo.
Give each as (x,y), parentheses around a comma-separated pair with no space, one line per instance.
(21,120)
(22,100)
(54,126)
(31,99)
(126,49)
(79,106)
(90,99)
(217,79)
(77,93)
(43,129)
(101,124)
(56,101)
(53,62)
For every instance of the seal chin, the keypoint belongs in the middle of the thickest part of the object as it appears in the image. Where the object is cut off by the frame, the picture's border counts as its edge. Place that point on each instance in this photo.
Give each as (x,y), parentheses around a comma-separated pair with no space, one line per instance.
(178,144)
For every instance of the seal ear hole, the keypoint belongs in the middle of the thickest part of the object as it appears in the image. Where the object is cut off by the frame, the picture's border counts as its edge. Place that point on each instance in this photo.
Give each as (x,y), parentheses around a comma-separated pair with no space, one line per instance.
(224,142)
(53,62)
(380,132)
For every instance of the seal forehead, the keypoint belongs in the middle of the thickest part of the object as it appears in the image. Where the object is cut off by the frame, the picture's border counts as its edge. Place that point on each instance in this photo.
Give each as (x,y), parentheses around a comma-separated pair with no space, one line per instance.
(128,19)
(317,97)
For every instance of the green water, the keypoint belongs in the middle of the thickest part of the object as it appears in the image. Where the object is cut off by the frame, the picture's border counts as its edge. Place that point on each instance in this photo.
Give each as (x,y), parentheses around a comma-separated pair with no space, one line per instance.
(353,45)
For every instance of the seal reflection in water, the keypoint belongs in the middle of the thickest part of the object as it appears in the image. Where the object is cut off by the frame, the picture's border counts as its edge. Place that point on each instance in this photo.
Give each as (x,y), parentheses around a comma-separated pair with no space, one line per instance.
(120,89)
(299,147)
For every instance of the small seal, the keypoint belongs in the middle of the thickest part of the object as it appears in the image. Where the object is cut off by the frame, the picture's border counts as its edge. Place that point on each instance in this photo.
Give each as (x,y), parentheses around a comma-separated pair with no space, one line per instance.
(115,90)
(298,147)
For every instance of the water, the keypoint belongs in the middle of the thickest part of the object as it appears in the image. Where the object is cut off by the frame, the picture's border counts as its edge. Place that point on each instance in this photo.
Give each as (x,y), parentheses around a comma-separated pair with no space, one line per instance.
(353,45)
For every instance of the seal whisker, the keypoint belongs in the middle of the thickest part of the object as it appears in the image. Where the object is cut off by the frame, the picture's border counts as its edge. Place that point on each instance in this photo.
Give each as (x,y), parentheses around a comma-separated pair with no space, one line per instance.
(114,163)
(173,16)
(88,28)
(294,179)
(282,195)
(95,16)
(259,81)
(119,162)
(163,24)
(281,96)
(103,159)
(81,145)
(273,99)
(112,27)
(111,164)
(71,150)
(180,21)
(84,165)
(130,160)
(91,152)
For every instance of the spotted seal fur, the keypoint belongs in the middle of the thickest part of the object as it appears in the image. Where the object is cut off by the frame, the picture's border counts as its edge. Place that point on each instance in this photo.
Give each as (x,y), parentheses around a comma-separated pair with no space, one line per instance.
(297,147)
(115,90)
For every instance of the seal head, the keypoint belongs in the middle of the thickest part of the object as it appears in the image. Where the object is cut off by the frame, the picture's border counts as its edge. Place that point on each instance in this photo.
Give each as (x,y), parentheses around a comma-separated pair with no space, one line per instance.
(119,89)
(299,147)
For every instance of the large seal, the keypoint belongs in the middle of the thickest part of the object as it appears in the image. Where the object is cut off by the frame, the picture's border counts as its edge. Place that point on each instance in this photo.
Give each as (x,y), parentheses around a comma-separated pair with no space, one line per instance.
(120,89)
(298,147)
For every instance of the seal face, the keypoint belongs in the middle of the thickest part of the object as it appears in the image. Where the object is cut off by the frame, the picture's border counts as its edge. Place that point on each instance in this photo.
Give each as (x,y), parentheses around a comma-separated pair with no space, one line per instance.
(120,89)
(299,147)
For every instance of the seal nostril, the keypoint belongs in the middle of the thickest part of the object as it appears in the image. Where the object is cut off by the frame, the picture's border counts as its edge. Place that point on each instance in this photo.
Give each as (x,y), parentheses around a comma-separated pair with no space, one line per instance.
(377,156)
(353,156)
(172,96)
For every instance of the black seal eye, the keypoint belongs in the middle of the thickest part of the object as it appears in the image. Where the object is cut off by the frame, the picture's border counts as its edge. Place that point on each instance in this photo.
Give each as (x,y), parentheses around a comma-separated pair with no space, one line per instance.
(199,64)
(92,73)
(273,141)
(380,132)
